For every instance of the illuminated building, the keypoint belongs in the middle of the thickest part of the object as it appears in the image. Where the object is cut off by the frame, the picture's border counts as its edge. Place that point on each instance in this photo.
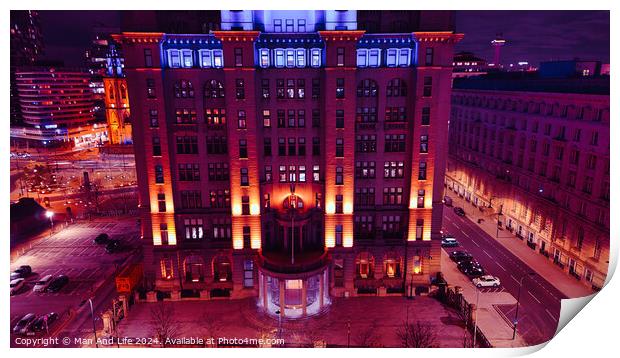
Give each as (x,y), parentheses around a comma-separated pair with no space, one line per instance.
(497,44)
(536,151)
(466,64)
(290,157)
(116,99)
(57,108)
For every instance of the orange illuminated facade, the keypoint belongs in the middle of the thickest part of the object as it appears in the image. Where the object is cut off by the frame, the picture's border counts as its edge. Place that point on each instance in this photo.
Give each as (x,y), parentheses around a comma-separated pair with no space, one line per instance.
(290,164)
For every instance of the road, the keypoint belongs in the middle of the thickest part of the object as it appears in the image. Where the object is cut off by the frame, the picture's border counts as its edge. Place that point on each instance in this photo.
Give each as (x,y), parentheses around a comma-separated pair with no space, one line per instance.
(540,305)
(89,268)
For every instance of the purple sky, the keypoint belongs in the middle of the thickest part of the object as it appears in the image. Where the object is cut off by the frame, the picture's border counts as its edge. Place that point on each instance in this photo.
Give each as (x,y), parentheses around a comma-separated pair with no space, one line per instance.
(532,36)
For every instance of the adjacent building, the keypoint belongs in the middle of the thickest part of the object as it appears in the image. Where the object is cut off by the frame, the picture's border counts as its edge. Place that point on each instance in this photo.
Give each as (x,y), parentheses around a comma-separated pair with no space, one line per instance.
(533,154)
(291,156)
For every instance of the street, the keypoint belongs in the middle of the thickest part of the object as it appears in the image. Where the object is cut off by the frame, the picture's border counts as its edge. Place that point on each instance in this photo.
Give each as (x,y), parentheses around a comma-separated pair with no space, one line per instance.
(90,270)
(539,300)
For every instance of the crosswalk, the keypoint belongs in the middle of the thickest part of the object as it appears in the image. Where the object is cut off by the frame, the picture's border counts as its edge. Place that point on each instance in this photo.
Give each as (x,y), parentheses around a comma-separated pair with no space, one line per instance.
(491,289)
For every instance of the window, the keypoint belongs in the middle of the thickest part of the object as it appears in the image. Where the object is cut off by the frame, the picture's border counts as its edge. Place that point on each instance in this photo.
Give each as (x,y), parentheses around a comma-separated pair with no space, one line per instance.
(339,118)
(290,58)
(267,200)
(395,114)
(422,171)
(282,174)
(239,89)
(218,59)
(301,88)
(316,88)
(364,170)
(265,88)
(291,118)
(221,229)
(587,185)
(419,229)
(394,143)
(191,199)
(302,173)
(340,56)
(421,194)
(426,116)
(248,270)
(316,146)
(187,58)
(392,196)
(279,57)
(185,116)
(316,173)
(374,58)
(292,173)
(428,86)
(153,117)
(290,25)
(161,202)
(163,231)
(277,25)
(243,149)
(403,57)
(424,143)
(187,145)
(366,143)
(316,118)
(591,162)
(366,115)
(214,89)
(594,138)
(148,57)
(301,149)
(365,196)
(340,147)
(391,226)
(290,88)
(300,57)
(391,57)
(362,57)
(268,174)
(189,172)
(339,87)
(174,58)
(159,174)
(238,57)
(245,205)
(396,88)
(339,176)
(429,56)
(193,228)
(574,157)
(267,146)
(339,204)
(217,145)
(393,169)
(245,181)
(150,88)
(156,146)
(206,58)
(241,121)
(301,25)
(292,146)
(167,272)
(315,60)
(367,88)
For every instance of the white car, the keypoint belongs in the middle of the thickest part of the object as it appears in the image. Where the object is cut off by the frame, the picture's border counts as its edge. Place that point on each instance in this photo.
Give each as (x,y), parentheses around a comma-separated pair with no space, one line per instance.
(486,281)
(16,285)
(42,284)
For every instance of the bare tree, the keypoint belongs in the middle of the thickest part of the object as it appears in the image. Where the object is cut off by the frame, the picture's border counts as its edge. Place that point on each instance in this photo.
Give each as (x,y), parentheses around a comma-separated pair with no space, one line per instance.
(163,322)
(368,338)
(417,335)
(211,326)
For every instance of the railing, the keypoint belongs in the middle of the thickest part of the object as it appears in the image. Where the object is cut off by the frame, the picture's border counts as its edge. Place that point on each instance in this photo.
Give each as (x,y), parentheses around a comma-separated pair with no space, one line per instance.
(280,266)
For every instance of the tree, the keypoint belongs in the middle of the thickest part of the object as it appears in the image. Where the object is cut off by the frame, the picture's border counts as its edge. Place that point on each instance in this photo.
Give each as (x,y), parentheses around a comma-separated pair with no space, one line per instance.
(417,335)
(368,337)
(211,327)
(163,322)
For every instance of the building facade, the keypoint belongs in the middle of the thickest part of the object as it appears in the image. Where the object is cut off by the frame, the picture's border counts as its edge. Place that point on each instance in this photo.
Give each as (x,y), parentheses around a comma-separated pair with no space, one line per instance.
(290,157)
(538,162)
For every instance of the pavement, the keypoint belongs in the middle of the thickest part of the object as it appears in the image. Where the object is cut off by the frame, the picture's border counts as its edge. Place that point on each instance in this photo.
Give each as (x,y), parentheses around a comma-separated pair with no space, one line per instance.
(372,321)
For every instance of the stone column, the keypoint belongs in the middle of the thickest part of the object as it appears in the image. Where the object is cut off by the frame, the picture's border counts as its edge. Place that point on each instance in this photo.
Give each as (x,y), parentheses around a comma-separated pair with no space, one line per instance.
(282,288)
(304,296)
(321,289)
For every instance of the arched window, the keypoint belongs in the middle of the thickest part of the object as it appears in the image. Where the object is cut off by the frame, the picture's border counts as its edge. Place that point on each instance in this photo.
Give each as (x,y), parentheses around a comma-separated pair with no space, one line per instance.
(391,265)
(111,92)
(367,88)
(365,265)
(194,268)
(123,92)
(214,89)
(222,270)
(183,89)
(396,88)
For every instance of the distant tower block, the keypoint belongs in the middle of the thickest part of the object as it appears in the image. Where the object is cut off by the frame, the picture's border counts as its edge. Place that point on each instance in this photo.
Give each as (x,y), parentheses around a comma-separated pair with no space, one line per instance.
(497,44)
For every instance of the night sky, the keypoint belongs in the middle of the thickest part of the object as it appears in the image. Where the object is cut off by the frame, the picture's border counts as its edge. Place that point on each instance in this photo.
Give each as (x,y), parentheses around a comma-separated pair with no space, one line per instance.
(532,36)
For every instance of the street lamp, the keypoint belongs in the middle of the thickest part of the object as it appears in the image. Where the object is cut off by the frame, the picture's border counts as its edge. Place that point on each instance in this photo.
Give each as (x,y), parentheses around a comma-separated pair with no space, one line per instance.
(514,327)
(476,318)
(279,324)
(499,213)
(50,215)
(92,316)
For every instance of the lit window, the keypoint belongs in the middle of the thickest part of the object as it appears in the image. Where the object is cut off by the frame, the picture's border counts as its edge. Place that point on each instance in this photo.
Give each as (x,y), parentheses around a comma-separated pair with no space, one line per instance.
(290,57)
(301,57)
(279,56)
(391,57)
(316,57)
(218,59)
(188,60)
(362,57)
(206,60)
(373,58)
(403,57)
(174,58)
(264,58)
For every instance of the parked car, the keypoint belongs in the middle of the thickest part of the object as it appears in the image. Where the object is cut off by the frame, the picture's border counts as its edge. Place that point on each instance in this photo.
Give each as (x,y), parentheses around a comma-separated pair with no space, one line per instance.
(467,262)
(449,241)
(447,200)
(57,283)
(40,323)
(459,211)
(486,281)
(23,326)
(21,272)
(472,270)
(16,285)
(460,255)
(113,246)
(102,239)
(42,284)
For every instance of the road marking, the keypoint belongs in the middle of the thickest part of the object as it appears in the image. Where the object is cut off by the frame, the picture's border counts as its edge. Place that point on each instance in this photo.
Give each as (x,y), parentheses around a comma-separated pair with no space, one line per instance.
(517,281)
(464,233)
(475,243)
(483,250)
(500,266)
(534,297)
(549,313)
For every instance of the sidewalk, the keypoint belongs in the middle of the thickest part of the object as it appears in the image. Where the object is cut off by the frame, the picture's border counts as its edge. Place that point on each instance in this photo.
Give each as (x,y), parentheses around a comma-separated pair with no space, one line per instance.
(490,322)
(537,262)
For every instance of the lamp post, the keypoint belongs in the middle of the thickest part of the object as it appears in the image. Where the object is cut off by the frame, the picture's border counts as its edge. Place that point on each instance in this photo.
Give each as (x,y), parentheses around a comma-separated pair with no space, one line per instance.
(279,324)
(514,327)
(92,316)
(50,215)
(499,213)
(476,318)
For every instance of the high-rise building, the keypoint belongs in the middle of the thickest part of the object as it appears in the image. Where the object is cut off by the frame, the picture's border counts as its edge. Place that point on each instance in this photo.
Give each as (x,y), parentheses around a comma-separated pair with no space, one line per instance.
(290,156)
(533,154)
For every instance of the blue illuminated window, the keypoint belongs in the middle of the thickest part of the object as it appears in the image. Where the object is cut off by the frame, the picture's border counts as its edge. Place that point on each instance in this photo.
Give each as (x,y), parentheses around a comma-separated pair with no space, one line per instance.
(279,57)
(391,57)
(290,57)
(218,59)
(301,57)
(174,58)
(374,57)
(362,57)
(264,58)
(188,60)
(403,57)
(206,58)
(316,57)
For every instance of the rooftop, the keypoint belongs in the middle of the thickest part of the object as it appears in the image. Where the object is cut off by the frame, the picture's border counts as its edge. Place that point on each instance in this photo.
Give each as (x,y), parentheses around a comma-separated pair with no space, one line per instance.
(598,85)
